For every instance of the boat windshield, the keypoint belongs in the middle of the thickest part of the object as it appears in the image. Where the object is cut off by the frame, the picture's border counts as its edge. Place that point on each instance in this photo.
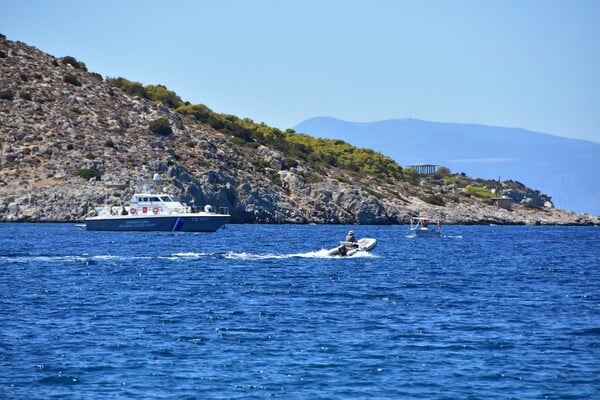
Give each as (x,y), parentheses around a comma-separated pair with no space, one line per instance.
(166,198)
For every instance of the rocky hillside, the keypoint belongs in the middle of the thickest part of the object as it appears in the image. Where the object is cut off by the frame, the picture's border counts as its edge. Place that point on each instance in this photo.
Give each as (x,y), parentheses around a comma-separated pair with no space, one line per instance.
(70,140)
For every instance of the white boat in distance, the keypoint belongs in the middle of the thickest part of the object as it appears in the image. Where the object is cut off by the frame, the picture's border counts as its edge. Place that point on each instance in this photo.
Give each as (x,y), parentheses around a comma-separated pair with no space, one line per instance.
(423,227)
(156,212)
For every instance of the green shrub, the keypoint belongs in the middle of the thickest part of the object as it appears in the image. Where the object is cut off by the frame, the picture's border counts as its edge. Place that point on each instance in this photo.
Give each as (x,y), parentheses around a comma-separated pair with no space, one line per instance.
(410,175)
(479,191)
(434,200)
(275,178)
(97,76)
(161,126)
(129,87)
(441,172)
(72,79)
(458,180)
(160,94)
(72,61)
(199,111)
(89,173)
(291,163)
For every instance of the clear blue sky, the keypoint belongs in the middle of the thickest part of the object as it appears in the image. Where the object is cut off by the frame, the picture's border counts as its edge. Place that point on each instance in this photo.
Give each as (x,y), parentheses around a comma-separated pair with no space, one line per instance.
(527,63)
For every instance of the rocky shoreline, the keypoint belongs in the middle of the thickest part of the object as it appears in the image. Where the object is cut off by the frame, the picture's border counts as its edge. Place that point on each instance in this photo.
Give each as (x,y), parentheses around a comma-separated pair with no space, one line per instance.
(71,199)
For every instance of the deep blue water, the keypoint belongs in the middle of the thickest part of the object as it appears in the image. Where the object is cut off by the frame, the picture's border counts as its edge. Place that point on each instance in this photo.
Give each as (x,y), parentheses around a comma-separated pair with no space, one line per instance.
(259,311)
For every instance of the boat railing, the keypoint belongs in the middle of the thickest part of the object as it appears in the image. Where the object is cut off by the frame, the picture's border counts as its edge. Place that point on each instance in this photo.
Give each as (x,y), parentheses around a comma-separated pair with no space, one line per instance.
(149,210)
(426,225)
(209,209)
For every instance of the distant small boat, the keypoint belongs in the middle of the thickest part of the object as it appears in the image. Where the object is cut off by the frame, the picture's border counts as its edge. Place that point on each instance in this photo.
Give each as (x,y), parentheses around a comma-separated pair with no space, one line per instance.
(155,212)
(351,248)
(423,227)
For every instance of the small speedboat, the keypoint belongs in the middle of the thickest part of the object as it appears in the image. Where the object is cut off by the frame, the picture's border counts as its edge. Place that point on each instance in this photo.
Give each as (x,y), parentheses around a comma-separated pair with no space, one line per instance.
(351,248)
(423,227)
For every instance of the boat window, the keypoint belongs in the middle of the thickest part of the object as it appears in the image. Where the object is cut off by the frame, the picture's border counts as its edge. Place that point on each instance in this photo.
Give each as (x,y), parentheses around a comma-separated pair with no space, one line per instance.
(165,198)
(154,199)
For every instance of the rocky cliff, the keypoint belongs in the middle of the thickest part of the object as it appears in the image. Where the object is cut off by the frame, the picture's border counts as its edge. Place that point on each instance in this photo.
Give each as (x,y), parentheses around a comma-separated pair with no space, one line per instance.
(70,141)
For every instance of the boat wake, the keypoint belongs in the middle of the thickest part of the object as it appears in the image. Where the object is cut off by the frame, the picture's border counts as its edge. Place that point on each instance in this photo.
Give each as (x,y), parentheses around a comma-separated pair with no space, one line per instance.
(87,259)
(442,236)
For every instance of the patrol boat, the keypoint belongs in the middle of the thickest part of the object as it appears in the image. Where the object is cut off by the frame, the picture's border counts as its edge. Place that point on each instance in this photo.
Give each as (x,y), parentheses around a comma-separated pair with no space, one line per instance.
(156,212)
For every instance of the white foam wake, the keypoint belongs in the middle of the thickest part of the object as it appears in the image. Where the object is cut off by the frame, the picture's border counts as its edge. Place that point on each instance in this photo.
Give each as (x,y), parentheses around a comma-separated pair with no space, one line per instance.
(323,253)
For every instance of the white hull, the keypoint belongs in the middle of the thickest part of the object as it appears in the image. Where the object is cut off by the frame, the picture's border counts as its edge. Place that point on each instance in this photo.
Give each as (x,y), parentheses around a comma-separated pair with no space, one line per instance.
(421,227)
(425,232)
(349,248)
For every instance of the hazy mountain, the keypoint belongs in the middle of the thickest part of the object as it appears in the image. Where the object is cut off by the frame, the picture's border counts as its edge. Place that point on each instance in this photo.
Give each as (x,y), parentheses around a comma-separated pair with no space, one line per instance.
(566,169)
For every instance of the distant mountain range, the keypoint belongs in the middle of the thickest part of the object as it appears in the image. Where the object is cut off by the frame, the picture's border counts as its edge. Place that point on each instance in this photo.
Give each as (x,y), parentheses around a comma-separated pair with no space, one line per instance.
(566,169)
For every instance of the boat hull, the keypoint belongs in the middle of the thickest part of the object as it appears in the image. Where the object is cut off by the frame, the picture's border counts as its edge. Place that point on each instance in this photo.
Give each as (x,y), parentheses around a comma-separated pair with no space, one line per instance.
(160,223)
(425,232)
(349,249)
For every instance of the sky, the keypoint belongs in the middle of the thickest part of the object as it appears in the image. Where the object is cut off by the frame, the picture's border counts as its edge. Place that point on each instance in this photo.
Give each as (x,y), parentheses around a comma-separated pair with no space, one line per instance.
(532,64)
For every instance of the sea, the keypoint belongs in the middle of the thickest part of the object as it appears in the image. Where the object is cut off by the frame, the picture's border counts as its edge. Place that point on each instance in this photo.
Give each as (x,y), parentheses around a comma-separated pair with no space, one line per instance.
(261,311)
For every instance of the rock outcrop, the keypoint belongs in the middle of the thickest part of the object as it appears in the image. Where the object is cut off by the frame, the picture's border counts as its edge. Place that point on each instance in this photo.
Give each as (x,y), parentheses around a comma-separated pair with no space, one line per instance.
(70,141)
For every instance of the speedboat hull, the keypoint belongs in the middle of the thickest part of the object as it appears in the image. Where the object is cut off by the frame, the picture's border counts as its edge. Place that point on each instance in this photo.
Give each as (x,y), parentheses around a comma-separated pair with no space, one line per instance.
(422,227)
(351,248)
(425,232)
(160,223)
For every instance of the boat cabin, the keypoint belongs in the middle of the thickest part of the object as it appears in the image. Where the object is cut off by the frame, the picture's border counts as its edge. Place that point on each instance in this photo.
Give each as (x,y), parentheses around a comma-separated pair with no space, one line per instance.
(146,203)
(420,226)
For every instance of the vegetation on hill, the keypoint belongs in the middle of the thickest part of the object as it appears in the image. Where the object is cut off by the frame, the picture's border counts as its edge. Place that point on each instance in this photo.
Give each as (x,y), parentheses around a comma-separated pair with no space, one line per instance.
(319,153)
(72,61)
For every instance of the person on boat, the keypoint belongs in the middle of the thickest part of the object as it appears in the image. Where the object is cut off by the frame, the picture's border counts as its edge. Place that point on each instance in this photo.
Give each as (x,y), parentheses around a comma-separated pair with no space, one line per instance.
(425,223)
(350,238)
(124,211)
